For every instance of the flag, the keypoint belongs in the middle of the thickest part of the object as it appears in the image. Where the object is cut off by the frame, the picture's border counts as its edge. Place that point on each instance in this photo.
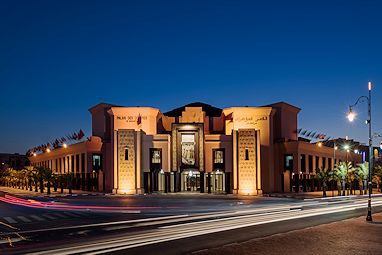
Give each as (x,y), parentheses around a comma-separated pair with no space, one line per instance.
(81,134)
(139,119)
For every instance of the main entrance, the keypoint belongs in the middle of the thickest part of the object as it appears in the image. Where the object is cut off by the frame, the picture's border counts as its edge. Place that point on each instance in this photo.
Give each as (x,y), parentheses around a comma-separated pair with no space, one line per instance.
(190,180)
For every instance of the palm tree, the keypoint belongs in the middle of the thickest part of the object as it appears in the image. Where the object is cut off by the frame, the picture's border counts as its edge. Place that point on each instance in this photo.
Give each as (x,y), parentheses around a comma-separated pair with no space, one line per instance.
(322,175)
(29,177)
(48,178)
(363,172)
(69,181)
(377,177)
(333,178)
(342,170)
(36,179)
(41,174)
(352,177)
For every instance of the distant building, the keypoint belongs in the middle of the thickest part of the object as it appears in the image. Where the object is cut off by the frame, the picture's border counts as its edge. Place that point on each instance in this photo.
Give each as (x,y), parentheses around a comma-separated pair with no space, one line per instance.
(195,148)
(15,161)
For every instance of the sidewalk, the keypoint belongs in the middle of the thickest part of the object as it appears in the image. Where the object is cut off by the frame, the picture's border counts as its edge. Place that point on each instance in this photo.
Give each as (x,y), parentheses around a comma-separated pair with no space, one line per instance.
(353,236)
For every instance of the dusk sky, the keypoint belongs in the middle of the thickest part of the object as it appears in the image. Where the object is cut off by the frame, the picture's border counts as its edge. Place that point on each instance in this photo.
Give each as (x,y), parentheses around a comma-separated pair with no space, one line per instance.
(59,58)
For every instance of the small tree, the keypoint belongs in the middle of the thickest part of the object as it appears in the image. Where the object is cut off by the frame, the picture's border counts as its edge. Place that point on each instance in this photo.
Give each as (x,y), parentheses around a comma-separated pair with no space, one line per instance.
(377,177)
(342,170)
(69,181)
(363,173)
(48,176)
(41,174)
(322,176)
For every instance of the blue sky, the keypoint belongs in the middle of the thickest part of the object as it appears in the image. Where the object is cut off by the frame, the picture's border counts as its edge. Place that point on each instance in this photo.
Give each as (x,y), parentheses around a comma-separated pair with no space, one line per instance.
(59,58)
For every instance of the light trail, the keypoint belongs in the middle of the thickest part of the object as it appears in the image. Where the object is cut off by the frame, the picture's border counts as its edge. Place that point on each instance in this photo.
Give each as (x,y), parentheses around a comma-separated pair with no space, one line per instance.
(62,206)
(203,227)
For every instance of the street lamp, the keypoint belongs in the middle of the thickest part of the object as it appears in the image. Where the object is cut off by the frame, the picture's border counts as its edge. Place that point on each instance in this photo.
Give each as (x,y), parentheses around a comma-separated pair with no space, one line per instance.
(351,117)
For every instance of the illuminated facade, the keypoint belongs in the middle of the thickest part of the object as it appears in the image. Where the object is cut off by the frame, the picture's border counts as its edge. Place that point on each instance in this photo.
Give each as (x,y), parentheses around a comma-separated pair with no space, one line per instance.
(201,148)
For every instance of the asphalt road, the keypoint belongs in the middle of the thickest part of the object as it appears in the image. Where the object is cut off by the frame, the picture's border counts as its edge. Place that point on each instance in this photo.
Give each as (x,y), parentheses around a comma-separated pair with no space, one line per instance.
(158,224)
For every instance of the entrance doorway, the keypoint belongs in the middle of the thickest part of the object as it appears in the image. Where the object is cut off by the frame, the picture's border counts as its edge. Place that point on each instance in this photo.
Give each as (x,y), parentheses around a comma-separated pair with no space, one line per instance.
(217,182)
(190,180)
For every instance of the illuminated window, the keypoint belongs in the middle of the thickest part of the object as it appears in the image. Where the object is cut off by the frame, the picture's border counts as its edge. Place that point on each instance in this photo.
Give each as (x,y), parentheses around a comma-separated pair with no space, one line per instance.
(218,156)
(156,157)
(97,164)
(288,162)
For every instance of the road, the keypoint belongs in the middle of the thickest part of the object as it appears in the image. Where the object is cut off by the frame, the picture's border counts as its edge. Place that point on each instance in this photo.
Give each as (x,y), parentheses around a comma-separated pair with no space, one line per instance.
(164,225)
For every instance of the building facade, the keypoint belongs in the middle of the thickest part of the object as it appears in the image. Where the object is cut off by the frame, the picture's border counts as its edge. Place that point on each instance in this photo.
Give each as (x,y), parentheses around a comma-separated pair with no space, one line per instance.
(196,148)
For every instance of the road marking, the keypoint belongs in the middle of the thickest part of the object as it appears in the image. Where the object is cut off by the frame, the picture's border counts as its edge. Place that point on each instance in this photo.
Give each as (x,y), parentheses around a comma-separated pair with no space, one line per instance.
(24,219)
(9,219)
(49,216)
(36,217)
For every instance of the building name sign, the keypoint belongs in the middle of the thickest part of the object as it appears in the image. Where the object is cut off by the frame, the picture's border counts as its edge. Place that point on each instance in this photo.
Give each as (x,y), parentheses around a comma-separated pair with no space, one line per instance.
(132,118)
(250,120)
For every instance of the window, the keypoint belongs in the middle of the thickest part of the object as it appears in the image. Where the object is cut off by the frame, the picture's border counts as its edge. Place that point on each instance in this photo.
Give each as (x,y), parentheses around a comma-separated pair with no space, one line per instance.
(156,156)
(155,159)
(317,162)
(310,163)
(329,162)
(77,163)
(126,153)
(97,164)
(303,162)
(246,154)
(72,163)
(83,163)
(218,156)
(218,159)
(324,162)
(288,162)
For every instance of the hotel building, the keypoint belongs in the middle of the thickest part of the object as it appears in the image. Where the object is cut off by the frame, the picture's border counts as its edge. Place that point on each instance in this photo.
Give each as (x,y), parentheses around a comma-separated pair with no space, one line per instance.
(194,148)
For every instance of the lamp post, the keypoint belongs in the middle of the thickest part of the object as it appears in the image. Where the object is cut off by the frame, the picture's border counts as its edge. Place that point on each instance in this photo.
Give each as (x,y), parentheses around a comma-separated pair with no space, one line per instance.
(351,117)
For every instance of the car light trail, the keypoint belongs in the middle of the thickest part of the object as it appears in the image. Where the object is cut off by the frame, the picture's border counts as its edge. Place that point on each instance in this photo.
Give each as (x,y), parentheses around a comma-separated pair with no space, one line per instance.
(202,227)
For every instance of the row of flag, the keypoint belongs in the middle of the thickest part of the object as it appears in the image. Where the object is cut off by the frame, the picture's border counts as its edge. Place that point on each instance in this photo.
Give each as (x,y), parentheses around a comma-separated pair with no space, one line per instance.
(75,136)
(312,134)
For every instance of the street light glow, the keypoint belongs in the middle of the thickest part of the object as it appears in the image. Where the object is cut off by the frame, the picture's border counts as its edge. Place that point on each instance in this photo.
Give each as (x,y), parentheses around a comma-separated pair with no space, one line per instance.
(346,147)
(65,145)
(48,150)
(351,115)
(319,144)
